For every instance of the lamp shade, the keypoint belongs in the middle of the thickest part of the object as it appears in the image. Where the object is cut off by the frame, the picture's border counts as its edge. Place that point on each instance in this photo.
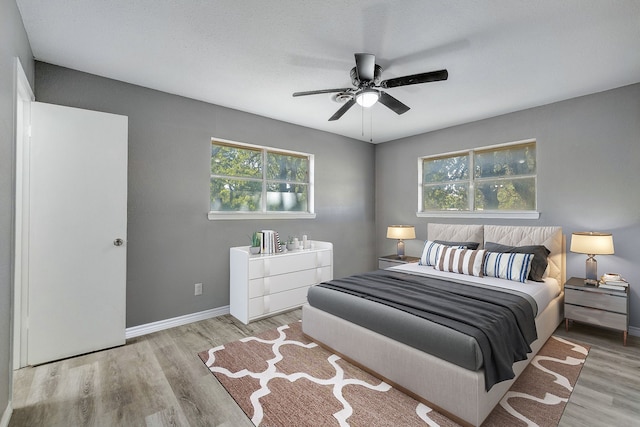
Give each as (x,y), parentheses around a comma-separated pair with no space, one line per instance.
(401,232)
(592,243)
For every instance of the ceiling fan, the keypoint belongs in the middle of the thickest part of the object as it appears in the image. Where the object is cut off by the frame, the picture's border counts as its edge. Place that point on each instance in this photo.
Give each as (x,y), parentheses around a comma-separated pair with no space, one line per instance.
(365,76)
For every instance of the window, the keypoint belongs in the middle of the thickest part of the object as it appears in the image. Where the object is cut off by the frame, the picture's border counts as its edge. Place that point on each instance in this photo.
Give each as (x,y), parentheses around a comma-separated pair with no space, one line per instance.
(253,181)
(492,181)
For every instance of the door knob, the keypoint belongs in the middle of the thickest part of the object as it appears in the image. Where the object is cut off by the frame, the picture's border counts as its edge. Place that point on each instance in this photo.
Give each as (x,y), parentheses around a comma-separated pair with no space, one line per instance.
(118,242)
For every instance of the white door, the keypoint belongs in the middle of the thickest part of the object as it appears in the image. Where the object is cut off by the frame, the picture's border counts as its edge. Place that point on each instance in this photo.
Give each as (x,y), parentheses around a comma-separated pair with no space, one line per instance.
(77,232)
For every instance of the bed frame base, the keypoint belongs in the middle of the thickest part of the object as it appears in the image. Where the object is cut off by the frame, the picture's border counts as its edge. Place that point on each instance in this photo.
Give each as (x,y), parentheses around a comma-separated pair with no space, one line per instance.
(453,391)
(391,383)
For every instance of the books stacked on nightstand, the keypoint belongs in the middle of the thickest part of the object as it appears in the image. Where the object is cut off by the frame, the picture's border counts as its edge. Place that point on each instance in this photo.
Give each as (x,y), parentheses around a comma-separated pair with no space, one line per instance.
(617,285)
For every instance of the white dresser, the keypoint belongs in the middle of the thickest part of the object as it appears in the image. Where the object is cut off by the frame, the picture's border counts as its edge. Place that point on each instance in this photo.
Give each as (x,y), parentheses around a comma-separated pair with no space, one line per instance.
(265,284)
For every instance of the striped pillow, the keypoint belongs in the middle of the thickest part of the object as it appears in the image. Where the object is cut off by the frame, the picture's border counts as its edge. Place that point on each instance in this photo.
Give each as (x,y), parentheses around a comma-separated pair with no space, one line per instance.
(430,252)
(510,266)
(464,261)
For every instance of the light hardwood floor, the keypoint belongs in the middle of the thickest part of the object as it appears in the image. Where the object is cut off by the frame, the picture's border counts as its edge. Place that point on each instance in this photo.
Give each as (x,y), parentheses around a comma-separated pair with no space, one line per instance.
(158,380)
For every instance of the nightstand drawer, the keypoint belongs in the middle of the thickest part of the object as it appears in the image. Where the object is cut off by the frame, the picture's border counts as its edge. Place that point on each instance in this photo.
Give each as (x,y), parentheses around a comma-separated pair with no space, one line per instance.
(383,263)
(596,299)
(596,317)
(394,261)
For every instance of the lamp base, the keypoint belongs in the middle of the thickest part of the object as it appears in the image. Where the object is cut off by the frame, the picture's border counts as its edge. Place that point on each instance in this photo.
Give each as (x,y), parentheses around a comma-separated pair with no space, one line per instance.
(591,268)
(400,248)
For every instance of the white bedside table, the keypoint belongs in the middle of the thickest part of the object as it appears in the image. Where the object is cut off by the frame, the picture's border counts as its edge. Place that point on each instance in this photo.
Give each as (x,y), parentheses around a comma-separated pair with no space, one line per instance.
(596,306)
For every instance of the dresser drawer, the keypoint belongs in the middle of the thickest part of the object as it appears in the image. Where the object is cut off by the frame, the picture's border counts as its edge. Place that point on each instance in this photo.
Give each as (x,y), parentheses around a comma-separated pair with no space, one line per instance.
(324,274)
(284,282)
(324,258)
(596,317)
(256,268)
(274,303)
(278,264)
(598,300)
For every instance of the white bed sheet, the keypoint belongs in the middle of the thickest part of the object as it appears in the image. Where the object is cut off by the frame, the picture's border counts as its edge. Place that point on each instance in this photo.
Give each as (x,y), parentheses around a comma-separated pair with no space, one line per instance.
(542,292)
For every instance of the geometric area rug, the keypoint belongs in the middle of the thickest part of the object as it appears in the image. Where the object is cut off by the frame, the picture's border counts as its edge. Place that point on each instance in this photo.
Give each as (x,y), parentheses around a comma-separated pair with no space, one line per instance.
(281,378)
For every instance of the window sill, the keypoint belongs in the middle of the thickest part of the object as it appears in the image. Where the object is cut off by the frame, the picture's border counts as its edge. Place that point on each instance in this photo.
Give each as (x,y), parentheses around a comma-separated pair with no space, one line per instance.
(213,216)
(482,214)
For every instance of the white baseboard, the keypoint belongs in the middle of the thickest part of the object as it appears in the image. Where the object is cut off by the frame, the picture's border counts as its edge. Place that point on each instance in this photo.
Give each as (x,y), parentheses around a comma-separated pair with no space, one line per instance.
(6,416)
(136,331)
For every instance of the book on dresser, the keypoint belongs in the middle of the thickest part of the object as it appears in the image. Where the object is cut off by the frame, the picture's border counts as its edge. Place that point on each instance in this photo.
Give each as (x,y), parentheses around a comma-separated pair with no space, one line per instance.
(616,285)
(612,287)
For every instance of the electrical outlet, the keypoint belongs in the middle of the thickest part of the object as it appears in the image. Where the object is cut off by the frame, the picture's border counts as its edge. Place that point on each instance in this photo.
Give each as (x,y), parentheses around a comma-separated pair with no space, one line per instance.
(198,289)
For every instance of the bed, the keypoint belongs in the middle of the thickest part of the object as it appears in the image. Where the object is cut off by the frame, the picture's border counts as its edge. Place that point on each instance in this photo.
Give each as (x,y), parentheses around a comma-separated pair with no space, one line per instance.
(457,388)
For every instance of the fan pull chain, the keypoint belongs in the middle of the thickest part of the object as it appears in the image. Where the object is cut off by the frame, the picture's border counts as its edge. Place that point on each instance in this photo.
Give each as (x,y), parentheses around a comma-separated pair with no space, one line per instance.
(362,120)
(370,122)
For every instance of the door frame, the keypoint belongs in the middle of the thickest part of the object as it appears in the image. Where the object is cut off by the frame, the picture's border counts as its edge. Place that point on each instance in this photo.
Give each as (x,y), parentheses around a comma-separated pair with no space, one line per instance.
(24,97)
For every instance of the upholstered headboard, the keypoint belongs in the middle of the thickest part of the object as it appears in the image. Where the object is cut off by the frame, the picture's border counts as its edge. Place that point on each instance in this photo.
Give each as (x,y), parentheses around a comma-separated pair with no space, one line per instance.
(549,236)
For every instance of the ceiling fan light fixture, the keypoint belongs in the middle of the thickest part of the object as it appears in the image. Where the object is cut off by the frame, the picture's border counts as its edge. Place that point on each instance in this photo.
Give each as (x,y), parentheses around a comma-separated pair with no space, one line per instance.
(368,88)
(367,97)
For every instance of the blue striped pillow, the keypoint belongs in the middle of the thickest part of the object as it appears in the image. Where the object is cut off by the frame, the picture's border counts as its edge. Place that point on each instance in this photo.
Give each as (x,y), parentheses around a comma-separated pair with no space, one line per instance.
(430,253)
(510,266)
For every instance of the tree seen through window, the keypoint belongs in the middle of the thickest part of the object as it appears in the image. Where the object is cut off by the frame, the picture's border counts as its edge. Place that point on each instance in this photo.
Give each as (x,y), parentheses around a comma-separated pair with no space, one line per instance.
(254,179)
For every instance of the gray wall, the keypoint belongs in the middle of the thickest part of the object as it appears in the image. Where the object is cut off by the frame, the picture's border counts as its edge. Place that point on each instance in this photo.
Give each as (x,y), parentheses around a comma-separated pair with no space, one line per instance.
(13,43)
(588,151)
(171,243)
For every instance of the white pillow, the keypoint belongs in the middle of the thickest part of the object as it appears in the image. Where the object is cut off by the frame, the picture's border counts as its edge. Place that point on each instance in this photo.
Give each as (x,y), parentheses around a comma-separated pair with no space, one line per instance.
(463,261)
(430,252)
(510,266)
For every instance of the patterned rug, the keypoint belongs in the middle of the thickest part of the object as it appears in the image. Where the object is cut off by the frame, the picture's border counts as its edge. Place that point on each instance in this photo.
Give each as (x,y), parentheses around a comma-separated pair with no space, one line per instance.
(281,378)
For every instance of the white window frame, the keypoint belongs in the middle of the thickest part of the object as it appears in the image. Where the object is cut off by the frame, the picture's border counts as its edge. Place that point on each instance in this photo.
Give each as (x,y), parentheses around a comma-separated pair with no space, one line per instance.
(264,214)
(511,214)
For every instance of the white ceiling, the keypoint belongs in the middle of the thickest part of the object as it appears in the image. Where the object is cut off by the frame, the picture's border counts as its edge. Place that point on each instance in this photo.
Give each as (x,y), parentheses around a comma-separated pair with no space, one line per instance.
(251,55)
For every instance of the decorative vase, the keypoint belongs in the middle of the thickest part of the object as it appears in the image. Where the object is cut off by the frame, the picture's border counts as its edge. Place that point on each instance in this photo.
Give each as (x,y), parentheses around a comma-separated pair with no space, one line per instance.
(254,249)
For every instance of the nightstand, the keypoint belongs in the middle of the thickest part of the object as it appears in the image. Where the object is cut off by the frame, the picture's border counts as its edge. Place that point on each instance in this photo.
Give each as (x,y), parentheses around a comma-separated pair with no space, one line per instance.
(597,306)
(394,260)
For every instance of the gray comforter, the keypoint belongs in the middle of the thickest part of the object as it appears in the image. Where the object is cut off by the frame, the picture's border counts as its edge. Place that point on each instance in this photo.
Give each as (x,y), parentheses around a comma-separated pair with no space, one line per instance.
(502,324)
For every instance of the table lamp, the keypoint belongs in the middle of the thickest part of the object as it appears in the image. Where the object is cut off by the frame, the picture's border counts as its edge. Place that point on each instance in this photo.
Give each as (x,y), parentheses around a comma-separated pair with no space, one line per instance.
(402,233)
(592,244)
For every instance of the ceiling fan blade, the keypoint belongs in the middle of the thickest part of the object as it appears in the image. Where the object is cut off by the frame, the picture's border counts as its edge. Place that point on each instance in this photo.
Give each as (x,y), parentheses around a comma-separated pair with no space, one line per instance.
(414,79)
(365,66)
(342,110)
(316,92)
(392,103)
